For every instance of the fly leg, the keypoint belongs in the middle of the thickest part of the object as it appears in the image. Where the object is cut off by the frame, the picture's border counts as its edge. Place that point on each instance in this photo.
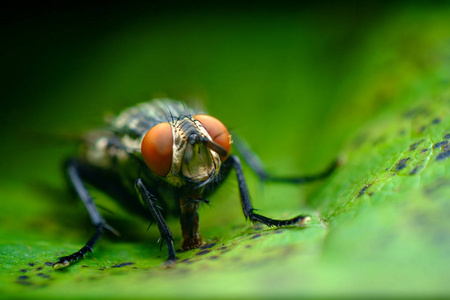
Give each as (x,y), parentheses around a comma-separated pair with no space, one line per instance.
(74,169)
(249,212)
(255,163)
(166,235)
(300,179)
(189,223)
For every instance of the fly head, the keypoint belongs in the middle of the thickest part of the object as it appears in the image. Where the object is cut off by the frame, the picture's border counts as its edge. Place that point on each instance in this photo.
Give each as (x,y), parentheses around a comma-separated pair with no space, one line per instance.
(185,151)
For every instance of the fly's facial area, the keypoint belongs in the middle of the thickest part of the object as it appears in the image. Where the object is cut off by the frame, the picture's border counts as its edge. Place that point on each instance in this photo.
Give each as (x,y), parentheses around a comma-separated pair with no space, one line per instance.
(184,150)
(196,162)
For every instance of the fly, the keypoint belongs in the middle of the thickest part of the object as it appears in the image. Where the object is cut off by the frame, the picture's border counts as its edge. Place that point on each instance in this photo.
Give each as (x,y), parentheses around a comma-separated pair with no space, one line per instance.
(163,153)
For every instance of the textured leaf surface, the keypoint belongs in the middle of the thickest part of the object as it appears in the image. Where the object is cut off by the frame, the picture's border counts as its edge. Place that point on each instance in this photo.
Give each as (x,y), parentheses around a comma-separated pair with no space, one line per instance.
(379,223)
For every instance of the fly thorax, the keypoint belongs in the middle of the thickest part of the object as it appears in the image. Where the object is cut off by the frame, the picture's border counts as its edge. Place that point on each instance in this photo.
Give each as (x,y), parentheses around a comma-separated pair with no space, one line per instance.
(191,161)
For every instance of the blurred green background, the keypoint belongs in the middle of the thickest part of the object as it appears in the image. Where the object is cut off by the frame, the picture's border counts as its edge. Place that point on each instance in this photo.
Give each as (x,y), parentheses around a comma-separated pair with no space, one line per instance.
(303,83)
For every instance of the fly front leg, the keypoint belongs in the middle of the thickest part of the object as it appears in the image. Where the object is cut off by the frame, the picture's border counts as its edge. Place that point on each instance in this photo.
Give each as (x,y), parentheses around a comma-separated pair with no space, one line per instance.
(74,172)
(166,235)
(247,206)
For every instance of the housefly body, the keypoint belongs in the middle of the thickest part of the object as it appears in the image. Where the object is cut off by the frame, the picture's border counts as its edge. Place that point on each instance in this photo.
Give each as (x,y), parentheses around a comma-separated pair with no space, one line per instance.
(163,153)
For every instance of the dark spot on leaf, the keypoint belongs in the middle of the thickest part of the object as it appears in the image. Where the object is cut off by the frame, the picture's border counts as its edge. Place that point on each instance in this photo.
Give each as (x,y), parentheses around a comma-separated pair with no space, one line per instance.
(40,274)
(443,155)
(186,261)
(248,246)
(123,265)
(214,257)
(258,226)
(23,270)
(134,268)
(423,129)
(23,277)
(256,236)
(414,146)
(278,231)
(84,266)
(436,121)
(101,269)
(401,164)
(363,190)
(370,194)
(207,246)
(414,171)
(38,269)
(31,264)
(424,150)
(47,263)
(440,144)
(203,252)
(222,248)
(224,251)
(447,136)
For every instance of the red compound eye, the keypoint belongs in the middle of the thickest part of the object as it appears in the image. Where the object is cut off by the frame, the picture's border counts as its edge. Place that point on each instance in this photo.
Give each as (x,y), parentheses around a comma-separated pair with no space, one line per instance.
(156,149)
(218,132)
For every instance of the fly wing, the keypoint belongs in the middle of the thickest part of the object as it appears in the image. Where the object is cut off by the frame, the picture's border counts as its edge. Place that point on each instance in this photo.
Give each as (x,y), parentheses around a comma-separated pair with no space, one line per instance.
(126,131)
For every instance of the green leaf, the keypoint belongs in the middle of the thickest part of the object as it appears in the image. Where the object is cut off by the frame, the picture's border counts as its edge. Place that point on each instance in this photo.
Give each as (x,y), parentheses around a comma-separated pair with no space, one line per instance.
(379,222)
